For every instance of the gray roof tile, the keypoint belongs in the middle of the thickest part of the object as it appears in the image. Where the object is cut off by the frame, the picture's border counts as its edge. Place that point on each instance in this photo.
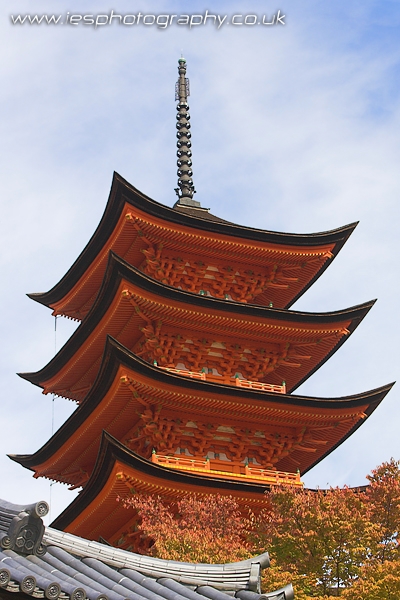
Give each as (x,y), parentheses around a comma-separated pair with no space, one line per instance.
(67,567)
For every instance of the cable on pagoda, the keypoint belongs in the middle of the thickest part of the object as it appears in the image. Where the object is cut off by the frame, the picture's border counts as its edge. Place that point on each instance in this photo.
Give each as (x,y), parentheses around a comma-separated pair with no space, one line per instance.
(53,397)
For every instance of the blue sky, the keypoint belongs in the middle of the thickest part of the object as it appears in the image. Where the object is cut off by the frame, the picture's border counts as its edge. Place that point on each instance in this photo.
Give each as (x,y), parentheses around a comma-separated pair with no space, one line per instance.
(294,128)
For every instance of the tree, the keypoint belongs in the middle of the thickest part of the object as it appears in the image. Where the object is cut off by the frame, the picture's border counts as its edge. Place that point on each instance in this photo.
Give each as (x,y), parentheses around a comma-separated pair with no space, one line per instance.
(378,581)
(206,529)
(383,498)
(276,577)
(323,536)
(340,541)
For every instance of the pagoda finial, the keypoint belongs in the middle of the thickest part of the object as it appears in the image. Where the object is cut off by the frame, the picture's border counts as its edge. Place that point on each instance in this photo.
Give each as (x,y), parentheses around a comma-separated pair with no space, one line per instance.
(186,190)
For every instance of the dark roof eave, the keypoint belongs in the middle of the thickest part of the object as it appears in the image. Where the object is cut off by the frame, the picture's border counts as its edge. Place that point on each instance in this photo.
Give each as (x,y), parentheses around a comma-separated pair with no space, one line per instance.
(368,411)
(118,269)
(116,354)
(112,450)
(122,191)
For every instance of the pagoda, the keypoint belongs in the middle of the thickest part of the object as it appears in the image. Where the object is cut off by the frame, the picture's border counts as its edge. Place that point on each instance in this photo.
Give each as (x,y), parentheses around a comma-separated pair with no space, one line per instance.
(187,357)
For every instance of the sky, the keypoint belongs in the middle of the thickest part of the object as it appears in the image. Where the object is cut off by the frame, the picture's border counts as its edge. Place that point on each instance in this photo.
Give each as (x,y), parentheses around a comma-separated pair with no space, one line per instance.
(295,128)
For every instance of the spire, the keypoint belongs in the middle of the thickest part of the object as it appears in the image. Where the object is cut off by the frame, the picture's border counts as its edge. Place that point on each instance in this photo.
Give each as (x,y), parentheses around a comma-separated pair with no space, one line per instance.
(186,190)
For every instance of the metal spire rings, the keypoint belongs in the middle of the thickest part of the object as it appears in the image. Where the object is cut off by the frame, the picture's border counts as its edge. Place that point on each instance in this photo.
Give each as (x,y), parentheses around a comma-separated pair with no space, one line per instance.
(186,190)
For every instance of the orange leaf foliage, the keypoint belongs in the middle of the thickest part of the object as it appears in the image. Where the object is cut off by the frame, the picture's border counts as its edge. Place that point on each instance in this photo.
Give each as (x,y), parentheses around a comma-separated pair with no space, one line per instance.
(383,498)
(322,535)
(378,581)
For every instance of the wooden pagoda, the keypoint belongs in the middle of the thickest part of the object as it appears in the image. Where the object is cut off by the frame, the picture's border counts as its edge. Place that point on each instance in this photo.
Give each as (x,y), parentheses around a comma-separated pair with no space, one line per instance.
(187,356)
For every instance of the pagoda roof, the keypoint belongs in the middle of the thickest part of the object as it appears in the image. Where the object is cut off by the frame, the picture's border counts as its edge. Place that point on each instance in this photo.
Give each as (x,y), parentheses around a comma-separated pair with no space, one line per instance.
(130,302)
(95,512)
(130,214)
(127,385)
(71,567)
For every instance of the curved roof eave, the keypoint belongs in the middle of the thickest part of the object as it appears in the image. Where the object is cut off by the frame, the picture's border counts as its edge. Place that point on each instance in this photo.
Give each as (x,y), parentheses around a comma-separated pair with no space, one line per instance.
(115,355)
(118,269)
(111,451)
(122,191)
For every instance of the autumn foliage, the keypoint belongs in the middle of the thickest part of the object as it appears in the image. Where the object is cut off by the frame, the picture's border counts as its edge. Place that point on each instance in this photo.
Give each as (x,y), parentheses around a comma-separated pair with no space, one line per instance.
(195,529)
(321,535)
(337,542)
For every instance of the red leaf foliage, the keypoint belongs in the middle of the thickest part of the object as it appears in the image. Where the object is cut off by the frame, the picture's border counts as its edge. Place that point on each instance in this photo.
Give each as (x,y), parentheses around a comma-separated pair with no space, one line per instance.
(196,529)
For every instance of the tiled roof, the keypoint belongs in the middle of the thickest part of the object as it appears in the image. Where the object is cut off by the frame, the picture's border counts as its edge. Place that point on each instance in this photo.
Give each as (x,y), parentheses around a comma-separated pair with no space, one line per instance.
(196,221)
(200,213)
(128,299)
(47,563)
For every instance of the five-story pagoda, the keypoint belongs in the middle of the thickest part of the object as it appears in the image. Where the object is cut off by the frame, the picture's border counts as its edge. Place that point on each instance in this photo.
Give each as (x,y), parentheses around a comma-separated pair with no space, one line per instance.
(187,356)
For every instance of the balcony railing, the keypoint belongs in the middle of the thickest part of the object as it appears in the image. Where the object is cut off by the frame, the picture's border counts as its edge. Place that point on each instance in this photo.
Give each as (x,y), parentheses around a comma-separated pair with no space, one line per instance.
(243,383)
(266,476)
(179,462)
(191,374)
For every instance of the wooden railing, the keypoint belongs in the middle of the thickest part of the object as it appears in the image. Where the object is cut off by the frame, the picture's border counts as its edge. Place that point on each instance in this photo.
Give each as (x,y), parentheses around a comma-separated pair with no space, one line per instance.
(243,383)
(259,385)
(180,462)
(274,477)
(191,374)
(267,476)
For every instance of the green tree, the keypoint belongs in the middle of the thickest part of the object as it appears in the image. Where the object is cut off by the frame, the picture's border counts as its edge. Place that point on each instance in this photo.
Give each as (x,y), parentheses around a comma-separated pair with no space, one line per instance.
(323,536)
(383,498)
(378,581)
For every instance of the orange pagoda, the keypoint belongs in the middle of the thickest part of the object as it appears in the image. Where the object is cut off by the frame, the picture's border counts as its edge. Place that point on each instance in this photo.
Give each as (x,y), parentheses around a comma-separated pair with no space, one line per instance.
(185,364)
